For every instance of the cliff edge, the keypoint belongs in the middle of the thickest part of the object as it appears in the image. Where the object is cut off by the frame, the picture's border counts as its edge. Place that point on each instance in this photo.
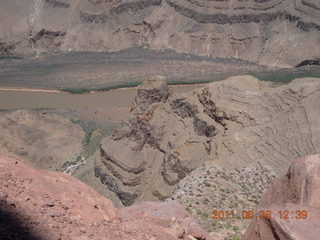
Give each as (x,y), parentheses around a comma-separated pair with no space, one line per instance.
(38,204)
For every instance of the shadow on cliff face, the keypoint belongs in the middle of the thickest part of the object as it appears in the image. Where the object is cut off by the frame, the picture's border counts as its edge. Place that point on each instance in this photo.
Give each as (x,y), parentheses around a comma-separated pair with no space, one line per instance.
(12,226)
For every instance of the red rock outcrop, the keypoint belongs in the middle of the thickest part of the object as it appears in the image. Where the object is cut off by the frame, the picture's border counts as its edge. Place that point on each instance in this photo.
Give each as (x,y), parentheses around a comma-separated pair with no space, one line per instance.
(298,193)
(38,204)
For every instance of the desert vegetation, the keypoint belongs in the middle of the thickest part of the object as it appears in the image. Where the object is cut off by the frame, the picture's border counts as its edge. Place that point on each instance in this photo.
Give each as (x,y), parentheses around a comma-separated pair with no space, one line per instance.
(211,188)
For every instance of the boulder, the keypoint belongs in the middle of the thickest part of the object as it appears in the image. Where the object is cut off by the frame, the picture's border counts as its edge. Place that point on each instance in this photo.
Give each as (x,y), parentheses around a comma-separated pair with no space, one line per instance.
(300,185)
(297,192)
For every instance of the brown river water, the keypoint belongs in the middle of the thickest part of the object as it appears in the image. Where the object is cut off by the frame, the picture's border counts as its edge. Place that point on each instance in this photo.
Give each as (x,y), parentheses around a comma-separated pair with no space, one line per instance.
(14,99)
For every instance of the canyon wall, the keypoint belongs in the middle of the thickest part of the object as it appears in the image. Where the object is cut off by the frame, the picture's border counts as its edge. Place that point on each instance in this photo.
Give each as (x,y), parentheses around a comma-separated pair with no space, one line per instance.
(282,33)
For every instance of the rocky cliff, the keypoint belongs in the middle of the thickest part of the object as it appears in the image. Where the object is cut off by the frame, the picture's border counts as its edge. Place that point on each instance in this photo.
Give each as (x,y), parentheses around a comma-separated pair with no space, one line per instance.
(229,124)
(271,32)
(298,193)
(37,204)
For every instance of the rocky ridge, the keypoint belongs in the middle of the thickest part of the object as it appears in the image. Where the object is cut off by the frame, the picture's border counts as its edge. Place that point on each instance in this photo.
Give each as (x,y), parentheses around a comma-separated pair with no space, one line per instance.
(273,32)
(240,119)
(38,204)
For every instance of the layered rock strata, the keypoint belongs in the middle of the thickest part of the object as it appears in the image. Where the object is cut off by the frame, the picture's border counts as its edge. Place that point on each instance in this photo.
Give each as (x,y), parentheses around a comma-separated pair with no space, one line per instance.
(230,124)
(273,32)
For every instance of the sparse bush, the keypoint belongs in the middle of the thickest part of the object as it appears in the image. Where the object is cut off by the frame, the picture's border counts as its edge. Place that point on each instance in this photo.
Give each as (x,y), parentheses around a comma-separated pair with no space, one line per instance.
(235,228)
(205,214)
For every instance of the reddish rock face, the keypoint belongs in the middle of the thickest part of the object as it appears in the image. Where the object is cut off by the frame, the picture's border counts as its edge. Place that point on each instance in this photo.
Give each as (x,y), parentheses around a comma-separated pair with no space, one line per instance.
(280,228)
(37,204)
(297,193)
(301,184)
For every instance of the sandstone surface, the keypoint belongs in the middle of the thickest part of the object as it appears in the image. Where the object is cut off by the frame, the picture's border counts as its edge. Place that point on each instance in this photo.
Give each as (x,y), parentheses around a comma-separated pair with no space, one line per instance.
(300,185)
(38,204)
(296,191)
(229,124)
(270,32)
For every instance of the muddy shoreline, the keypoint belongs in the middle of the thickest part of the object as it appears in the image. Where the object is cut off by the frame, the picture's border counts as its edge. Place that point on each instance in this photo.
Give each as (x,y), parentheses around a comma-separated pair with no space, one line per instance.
(17,89)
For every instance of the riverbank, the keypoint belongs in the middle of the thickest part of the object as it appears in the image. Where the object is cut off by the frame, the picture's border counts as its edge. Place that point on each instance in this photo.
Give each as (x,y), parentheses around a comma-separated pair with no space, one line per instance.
(17,89)
(278,76)
(127,68)
(91,91)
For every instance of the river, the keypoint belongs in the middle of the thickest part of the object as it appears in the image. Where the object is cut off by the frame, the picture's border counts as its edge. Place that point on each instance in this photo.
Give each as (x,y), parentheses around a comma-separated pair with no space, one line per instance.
(19,99)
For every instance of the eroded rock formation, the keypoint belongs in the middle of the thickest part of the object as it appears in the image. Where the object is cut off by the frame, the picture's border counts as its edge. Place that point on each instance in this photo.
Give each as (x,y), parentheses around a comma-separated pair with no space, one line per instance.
(230,123)
(273,32)
(296,191)
(37,204)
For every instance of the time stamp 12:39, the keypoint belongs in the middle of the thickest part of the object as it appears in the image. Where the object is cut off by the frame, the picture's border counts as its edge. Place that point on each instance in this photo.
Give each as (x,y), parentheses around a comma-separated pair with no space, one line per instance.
(260,214)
